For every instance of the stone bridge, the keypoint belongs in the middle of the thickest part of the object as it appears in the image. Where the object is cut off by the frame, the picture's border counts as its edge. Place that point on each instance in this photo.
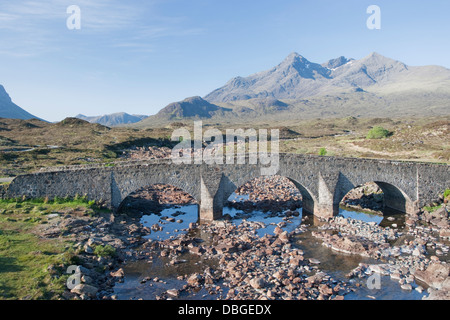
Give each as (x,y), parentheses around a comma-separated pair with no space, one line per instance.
(322,181)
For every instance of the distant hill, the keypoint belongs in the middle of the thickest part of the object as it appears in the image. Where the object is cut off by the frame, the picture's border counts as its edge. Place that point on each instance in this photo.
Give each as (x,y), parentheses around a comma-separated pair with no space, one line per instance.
(10,110)
(114,119)
(190,108)
(193,107)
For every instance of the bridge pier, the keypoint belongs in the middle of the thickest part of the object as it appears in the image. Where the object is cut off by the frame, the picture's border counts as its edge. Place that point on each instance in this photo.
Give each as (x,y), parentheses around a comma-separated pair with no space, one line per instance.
(209,210)
(327,205)
(326,211)
(211,204)
(307,206)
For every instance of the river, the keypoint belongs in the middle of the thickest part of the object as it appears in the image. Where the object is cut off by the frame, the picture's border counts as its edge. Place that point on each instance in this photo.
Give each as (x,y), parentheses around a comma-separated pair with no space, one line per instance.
(149,278)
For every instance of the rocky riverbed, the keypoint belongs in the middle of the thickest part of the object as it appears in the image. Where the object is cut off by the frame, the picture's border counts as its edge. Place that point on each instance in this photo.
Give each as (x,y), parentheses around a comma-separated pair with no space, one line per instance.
(160,252)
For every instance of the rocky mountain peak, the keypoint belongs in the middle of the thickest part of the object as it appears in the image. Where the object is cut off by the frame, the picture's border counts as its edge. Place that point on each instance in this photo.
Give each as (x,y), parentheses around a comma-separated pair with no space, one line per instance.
(336,63)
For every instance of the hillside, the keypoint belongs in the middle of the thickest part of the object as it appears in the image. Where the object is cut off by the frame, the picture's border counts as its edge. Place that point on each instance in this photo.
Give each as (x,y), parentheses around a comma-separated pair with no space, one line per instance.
(9,109)
(190,108)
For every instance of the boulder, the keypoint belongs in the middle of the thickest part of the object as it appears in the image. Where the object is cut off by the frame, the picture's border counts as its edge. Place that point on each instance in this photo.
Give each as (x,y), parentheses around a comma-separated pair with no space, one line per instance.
(85,289)
(194,280)
(118,274)
(257,283)
(442,294)
(284,237)
(434,275)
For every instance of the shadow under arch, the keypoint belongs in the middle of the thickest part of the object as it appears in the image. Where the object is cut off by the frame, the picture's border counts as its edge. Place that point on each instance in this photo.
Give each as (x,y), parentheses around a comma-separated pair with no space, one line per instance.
(394,198)
(155,197)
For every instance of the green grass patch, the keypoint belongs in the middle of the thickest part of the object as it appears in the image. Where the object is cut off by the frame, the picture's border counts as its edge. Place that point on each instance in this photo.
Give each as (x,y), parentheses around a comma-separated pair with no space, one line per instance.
(105,251)
(25,257)
(431,209)
(56,203)
(447,193)
(322,152)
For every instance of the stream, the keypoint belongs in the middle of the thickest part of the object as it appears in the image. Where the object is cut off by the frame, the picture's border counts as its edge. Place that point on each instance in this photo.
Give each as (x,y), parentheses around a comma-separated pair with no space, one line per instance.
(148,279)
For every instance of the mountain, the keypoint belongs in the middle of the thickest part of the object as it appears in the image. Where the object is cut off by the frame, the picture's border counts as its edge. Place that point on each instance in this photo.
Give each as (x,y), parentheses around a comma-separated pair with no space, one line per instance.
(9,109)
(298,89)
(297,78)
(113,120)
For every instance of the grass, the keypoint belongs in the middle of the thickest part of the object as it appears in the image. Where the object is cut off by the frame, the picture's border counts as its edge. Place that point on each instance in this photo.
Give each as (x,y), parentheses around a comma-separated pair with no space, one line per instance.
(447,193)
(322,152)
(104,251)
(53,204)
(25,257)
(431,209)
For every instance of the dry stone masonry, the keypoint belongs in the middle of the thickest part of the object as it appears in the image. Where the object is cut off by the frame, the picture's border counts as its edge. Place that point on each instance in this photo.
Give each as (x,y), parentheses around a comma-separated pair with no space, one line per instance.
(322,181)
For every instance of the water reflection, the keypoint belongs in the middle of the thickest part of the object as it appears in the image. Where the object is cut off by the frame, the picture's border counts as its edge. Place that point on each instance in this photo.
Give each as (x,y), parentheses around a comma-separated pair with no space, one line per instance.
(362,216)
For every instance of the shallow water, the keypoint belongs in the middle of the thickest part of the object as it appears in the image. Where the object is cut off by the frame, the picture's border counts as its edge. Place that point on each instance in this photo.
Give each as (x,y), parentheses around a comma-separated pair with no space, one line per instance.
(187,214)
(166,278)
(335,264)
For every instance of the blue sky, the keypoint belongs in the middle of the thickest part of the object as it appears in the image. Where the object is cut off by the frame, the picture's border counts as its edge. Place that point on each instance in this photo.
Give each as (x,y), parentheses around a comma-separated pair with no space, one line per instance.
(138,56)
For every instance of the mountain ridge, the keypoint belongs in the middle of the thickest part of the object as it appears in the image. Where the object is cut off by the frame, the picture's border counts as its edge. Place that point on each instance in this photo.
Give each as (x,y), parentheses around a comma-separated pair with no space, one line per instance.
(297,78)
(297,88)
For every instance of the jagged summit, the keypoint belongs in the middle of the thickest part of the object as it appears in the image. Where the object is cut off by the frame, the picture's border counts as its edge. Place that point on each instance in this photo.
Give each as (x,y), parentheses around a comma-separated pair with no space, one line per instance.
(336,63)
(4,96)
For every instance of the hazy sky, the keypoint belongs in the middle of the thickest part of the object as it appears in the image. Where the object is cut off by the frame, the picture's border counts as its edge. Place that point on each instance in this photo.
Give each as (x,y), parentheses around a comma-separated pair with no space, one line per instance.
(138,56)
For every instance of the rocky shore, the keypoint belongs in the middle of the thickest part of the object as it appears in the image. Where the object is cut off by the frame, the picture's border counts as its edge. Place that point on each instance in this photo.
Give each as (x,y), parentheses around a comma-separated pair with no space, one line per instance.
(415,256)
(103,242)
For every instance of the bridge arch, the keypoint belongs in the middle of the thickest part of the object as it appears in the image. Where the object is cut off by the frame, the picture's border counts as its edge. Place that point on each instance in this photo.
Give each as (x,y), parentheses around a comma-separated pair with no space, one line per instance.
(126,182)
(309,201)
(394,197)
(308,198)
(181,197)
